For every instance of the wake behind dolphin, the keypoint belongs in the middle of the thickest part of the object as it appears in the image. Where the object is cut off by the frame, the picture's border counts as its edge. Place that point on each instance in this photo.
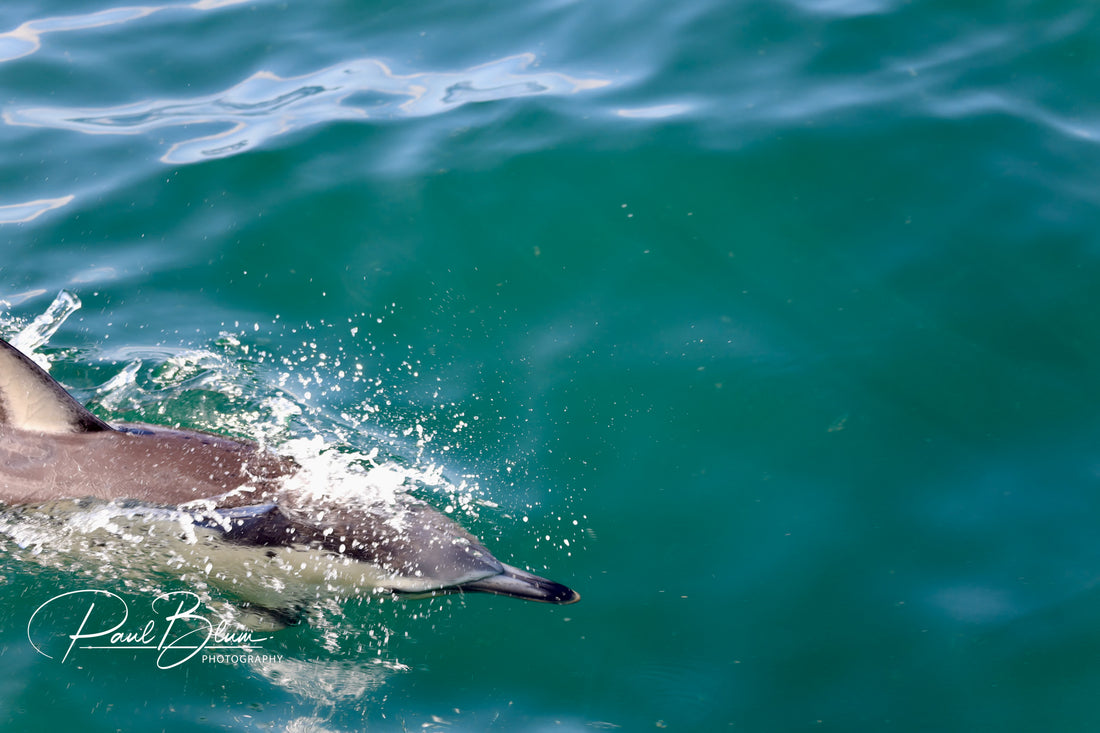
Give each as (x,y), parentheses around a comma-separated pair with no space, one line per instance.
(52,448)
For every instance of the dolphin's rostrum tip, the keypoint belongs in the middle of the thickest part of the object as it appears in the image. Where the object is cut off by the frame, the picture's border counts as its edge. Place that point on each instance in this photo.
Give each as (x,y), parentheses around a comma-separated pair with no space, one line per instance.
(518,583)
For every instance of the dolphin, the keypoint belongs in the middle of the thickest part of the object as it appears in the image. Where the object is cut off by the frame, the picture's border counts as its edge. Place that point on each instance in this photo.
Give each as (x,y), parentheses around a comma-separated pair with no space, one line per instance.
(52,448)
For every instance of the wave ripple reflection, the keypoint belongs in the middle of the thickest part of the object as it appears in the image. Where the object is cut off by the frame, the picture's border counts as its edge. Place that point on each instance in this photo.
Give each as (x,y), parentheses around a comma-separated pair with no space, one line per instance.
(266,105)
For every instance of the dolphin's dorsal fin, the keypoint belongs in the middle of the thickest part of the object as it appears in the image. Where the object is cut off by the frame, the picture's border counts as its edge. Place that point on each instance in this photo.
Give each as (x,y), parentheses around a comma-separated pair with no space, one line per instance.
(30,399)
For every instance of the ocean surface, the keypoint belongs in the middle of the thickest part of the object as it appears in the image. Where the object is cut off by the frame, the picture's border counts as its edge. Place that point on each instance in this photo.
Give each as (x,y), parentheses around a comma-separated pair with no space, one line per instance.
(773,328)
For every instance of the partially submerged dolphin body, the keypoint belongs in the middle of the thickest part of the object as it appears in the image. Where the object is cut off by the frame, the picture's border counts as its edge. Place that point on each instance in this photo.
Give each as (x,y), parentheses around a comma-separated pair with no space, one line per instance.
(52,448)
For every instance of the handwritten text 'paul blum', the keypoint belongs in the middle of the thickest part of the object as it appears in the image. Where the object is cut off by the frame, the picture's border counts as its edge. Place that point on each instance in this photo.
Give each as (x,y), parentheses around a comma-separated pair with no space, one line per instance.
(177,632)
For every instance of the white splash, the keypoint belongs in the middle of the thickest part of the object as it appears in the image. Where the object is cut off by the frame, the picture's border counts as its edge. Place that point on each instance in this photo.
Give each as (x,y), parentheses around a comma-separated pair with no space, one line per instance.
(45,325)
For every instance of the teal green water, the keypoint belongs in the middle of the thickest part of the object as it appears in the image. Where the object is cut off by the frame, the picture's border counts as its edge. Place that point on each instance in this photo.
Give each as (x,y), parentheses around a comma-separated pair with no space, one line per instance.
(778,322)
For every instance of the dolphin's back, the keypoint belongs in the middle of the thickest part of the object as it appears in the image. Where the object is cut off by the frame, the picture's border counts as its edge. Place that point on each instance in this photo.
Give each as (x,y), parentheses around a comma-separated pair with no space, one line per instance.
(144,463)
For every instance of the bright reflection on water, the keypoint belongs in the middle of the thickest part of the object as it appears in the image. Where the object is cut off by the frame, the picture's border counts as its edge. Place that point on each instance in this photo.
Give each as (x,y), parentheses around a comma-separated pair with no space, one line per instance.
(27,38)
(30,210)
(266,105)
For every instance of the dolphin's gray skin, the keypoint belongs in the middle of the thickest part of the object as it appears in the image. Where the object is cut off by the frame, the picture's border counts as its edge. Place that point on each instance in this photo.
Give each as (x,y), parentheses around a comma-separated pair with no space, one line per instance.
(52,448)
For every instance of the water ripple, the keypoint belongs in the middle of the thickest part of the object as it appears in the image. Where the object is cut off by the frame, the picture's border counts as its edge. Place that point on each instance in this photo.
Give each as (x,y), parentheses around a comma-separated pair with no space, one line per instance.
(846,8)
(27,38)
(30,210)
(265,105)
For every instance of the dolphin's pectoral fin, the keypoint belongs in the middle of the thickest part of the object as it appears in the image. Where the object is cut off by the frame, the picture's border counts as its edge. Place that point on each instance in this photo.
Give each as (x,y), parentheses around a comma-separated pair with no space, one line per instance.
(518,583)
(30,399)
